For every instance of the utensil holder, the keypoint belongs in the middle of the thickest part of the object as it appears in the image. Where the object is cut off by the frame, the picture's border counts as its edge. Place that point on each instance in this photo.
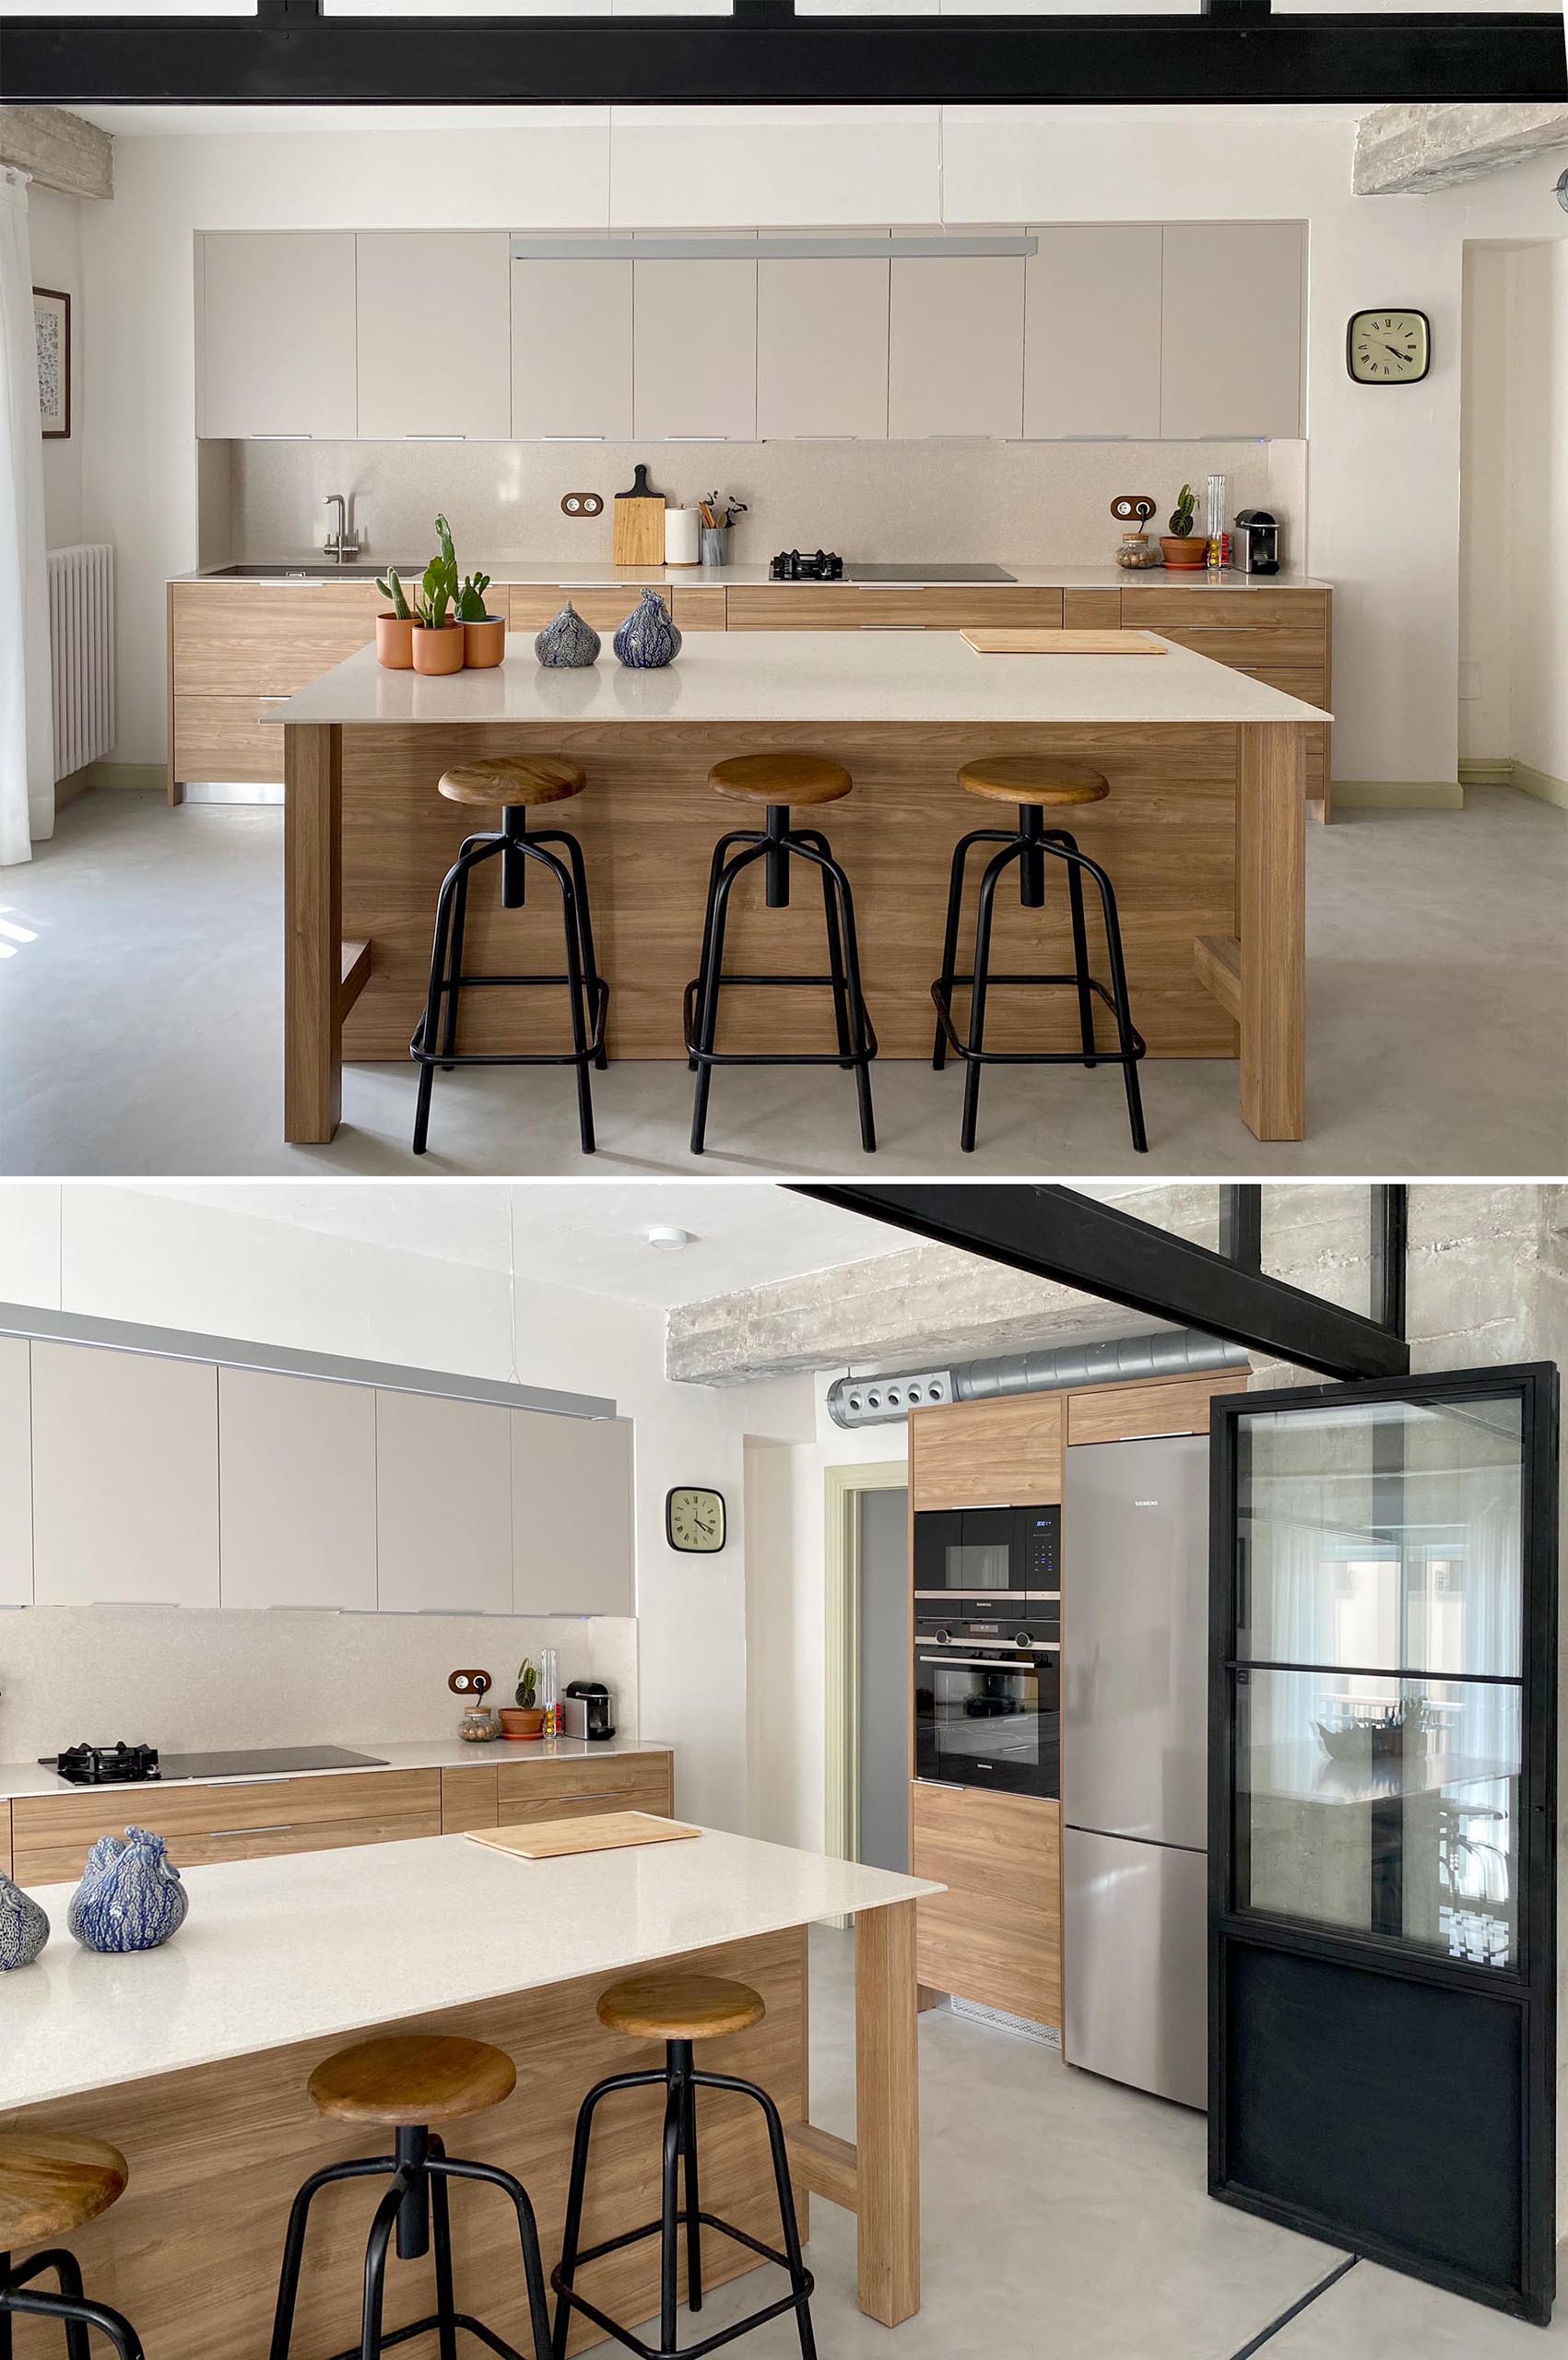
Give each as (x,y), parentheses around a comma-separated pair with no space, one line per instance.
(715,544)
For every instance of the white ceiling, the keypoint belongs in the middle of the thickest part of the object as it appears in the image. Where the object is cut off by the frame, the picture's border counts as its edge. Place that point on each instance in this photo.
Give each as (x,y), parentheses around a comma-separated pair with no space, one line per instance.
(590,1235)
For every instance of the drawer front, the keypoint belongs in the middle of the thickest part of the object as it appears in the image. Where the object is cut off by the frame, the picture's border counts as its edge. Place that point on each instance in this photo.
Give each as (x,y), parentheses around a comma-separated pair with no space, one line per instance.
(52,1833)
(224,737)
(256,638)
(534,605)
(1246,650)
(698,609)
(830,606)
(1284,610)
(1091,610)
(569,1789)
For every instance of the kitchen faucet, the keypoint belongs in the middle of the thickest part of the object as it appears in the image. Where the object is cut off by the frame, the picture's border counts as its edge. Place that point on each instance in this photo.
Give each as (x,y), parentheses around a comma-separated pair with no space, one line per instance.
(338,544)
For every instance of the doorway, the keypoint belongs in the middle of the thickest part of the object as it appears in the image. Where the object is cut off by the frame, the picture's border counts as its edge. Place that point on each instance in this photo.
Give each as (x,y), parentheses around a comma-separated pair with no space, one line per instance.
(867,1714)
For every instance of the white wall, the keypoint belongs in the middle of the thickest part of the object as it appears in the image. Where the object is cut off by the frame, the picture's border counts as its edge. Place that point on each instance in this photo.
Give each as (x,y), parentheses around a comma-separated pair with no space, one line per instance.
(1514,591)
(54,233)
(221,1261)
(1383,490)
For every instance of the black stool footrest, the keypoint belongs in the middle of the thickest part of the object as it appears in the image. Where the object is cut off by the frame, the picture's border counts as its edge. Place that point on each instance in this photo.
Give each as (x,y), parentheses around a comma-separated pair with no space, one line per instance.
(599,994)
(429,2327)
(690,2351)
(846,1060)
(941,1000)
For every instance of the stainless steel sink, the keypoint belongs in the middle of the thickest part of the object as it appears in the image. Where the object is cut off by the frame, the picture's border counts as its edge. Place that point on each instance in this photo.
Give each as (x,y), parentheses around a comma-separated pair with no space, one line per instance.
(317,570)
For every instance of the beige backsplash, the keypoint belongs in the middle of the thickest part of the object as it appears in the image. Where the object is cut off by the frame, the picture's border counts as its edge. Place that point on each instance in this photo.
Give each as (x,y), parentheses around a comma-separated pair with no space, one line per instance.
(1038,502)
(177,1677)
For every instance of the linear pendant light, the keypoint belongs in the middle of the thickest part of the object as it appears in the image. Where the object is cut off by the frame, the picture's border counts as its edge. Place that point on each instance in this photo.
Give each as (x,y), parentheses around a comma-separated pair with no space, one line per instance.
(791,248)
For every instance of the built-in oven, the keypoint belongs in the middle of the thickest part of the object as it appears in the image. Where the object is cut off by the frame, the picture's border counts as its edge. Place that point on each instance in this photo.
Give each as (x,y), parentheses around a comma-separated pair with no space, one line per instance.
(988,1702)
(992,1556)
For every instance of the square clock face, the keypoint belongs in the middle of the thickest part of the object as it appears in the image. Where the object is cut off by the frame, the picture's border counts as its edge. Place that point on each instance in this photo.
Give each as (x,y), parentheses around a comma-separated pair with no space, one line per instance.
(694,1519)
(1389,346)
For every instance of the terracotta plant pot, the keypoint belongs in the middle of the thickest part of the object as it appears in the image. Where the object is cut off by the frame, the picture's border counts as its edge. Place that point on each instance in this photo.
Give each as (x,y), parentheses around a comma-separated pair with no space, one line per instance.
(515,1723)
(394,642)
(1181,555)
(484,644)
(438,651)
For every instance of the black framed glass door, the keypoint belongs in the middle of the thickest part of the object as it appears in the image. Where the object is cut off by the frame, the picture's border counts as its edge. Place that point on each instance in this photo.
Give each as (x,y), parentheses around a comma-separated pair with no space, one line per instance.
(1382,1818)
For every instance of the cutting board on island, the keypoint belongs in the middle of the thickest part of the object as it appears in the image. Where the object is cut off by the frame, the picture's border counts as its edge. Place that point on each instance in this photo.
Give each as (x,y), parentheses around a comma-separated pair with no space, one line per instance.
(1062,643)
(553,1839)
(639,523)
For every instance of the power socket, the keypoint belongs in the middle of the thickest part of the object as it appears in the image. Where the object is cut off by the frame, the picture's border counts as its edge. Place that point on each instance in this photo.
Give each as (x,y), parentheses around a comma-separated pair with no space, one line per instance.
(583,503)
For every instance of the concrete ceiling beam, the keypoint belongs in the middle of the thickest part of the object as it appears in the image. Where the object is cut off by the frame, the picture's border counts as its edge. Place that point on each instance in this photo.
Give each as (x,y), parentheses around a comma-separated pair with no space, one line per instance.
(60,149)
(1414,150)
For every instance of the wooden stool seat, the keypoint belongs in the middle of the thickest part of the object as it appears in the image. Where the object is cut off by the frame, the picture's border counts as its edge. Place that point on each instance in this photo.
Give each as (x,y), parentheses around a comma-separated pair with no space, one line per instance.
(780,779)
(49,2185)
(1033,778)
(412,2078)
(512,778)
(680,2007)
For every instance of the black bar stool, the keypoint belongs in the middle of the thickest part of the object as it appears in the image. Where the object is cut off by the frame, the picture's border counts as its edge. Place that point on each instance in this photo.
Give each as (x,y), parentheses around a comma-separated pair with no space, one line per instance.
(778,781)
(516,783)
(48,2186)
(1032,782)
(407,2081)
(679,2010)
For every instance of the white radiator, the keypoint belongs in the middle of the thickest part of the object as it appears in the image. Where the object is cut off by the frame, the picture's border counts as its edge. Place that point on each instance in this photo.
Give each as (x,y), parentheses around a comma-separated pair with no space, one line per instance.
(81,643)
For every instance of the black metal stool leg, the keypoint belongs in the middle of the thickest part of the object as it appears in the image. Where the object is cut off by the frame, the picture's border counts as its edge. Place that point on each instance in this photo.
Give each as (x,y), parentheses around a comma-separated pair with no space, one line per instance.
(592,981)
(1125,1035)
(669,2219)
(380,2240)
(80,2316)
(523,850)
(715,868)
(430,1023)
(572,2232)
(454,957)
(440,2238)
(66,2271)
(694,2201)
(294,2240)
(795,2260)
(859,1025)
(945,981)
(819,843)
(1081,945)
(713,956)
(988,883)
(492,2175)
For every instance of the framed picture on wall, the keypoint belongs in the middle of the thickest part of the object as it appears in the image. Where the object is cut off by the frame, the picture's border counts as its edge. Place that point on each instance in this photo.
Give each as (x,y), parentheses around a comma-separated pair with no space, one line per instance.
(52,319)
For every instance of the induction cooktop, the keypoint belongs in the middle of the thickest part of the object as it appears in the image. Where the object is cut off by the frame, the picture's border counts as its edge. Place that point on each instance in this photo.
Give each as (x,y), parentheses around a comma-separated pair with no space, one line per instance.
(976,573)
(120,1765)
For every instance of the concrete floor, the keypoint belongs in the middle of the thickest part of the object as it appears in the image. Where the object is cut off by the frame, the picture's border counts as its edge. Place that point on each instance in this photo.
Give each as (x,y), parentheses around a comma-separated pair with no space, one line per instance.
(1065,2218)
(140,1024)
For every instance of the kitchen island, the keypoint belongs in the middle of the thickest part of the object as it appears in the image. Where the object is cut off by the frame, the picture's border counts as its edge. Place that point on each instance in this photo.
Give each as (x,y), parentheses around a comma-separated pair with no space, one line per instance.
(194,2058)
(1202,833)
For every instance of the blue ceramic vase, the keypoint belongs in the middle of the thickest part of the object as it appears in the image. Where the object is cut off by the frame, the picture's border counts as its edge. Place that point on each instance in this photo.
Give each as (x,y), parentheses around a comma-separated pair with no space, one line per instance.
(568,643)
(130,1897)
(24,1928)
(648,637)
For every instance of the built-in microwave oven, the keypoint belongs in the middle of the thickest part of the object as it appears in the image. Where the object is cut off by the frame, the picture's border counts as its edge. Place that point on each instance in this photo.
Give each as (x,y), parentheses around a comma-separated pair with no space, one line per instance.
(988,1554)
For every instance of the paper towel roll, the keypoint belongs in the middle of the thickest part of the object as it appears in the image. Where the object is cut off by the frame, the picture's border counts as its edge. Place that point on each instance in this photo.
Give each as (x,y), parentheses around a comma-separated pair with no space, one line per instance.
(681,526)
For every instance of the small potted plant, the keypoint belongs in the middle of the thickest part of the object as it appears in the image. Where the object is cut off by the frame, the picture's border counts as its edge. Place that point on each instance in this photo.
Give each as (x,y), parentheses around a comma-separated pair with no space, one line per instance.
(395,630)
(526,1718)
(1183,548)
(438,635)
(484,634)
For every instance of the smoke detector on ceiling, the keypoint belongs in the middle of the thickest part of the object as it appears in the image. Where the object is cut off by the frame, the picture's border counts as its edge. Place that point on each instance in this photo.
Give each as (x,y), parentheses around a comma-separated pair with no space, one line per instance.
(669,1241)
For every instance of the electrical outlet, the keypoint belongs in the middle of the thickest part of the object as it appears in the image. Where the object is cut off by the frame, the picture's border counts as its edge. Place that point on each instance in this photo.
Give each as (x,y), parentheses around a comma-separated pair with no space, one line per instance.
(581,504)
(1470,677)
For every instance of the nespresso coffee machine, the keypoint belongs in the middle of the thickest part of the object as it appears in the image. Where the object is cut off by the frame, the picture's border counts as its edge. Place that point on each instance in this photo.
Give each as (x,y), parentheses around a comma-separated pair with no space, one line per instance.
(586,1709)
(1255,544)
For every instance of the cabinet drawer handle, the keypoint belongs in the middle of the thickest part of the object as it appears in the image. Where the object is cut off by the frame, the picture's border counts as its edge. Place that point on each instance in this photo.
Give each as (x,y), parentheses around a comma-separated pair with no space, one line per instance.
(231,1834)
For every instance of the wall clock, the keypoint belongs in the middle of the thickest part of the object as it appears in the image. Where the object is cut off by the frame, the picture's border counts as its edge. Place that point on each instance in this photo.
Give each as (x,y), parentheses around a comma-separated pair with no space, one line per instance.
(694,1519)
(1389,346)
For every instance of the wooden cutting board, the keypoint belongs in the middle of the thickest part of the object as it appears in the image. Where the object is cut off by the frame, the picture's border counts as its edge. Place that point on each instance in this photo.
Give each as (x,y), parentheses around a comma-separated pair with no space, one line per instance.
(553,1839)
(1063,643)
(638,523)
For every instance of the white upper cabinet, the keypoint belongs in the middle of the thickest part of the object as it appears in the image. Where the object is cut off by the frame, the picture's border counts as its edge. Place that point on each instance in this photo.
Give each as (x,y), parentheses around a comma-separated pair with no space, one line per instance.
(955,345)
(822,349)
(275,342)
(443,1505)
(434,333)
(572,350)
(297,1517)
(572,1514)
(694,339)
(1092,332)
(1232,329)
(16,1473)
(124,1455)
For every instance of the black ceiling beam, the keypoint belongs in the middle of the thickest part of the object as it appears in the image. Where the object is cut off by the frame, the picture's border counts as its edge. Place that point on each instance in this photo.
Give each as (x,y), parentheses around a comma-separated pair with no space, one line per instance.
(289,56)
(1058,1233)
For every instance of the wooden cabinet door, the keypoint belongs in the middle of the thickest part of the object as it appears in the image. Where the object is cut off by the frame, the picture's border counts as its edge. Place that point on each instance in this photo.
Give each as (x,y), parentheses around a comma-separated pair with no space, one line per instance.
(1092,332)
(276,334)
(536,604)
(1231,329)
(248,1819)
(1168,1406)
(571,1550)
(443,1505)
(16,1473)
(434,340)
(822,349)
(124,1457)
(996,1935)
(1005,1454)
(695,351)
(572,352)
(296,1461)
(955,345)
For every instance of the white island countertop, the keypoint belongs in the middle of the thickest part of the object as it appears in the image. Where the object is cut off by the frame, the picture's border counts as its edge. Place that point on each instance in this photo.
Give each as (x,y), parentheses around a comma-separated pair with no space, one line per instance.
(321,1945)
(903,678)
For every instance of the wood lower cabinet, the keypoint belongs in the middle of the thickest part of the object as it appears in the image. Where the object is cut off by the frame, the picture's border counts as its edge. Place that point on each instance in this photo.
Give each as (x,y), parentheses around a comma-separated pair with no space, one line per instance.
(832,606)
(5,1868)
(1282,637)
(249,1820)
(572,1790)
(536,604)
(996,1935)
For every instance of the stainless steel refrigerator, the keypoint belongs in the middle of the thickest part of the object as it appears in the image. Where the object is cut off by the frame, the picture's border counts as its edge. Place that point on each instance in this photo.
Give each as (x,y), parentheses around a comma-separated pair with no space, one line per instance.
(1134,1624)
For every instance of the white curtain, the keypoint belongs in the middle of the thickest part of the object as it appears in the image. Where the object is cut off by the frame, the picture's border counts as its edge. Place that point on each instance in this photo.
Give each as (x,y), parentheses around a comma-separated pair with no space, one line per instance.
(27,735)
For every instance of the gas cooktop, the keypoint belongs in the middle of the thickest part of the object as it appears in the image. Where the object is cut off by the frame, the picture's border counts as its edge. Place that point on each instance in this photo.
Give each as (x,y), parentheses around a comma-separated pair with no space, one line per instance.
(132,1766)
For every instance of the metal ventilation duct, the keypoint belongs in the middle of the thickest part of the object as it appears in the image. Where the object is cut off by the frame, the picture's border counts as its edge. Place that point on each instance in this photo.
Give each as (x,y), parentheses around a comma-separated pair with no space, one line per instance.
(1122,1360)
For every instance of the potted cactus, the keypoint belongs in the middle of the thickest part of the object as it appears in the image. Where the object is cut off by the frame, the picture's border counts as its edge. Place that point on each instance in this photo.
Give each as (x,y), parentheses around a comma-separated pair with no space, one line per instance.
(438,635)
(395,630)
(484,634)
(1181,547)
(524,1718)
